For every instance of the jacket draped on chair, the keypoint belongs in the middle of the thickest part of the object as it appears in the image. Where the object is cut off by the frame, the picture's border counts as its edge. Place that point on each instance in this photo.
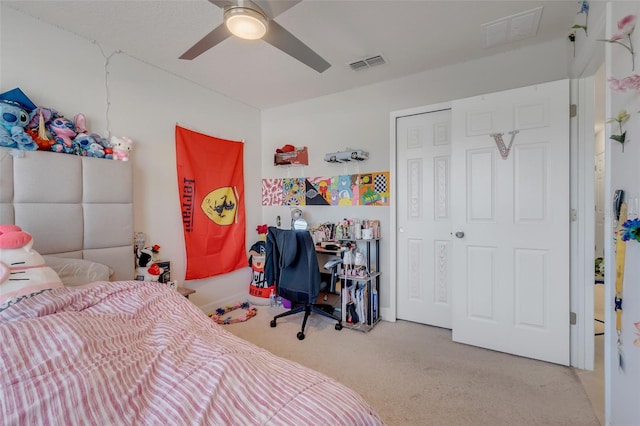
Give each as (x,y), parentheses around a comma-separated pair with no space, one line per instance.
(291,259)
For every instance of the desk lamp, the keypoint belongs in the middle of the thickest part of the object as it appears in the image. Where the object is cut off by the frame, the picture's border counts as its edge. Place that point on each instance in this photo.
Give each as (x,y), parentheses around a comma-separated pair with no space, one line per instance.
(297,221)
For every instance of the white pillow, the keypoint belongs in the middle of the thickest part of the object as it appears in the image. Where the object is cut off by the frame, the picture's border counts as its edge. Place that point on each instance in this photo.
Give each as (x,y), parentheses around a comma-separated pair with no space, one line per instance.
(75,272)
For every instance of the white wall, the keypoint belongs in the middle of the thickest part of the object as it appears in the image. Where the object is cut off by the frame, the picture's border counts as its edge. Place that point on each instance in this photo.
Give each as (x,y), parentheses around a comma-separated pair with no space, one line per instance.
(623,386)
(360,118)
(60,70)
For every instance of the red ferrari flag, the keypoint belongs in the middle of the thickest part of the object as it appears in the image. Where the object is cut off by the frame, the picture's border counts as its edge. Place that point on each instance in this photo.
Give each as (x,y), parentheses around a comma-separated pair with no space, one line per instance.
(211,190)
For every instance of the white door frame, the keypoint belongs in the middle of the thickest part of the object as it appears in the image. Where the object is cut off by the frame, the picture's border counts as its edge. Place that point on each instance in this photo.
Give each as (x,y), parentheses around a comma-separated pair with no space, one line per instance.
(582,228)
(582,222)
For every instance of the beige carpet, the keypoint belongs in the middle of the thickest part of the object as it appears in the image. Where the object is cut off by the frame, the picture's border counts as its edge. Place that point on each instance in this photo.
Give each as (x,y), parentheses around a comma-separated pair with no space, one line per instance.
(414,374)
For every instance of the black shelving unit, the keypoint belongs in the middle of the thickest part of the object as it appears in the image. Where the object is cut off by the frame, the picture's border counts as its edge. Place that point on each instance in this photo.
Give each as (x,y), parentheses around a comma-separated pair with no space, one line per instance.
(364,289)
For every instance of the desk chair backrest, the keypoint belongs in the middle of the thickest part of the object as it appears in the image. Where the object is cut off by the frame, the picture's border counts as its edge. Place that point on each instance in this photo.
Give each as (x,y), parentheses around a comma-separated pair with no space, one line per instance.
(292,265)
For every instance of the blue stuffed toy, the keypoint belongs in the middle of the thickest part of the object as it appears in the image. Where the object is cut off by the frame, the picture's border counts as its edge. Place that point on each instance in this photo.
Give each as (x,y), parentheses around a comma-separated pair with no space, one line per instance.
(15,114)
(88,145)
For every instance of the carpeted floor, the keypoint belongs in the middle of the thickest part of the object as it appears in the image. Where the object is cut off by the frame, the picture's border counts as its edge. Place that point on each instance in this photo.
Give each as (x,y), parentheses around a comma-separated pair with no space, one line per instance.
(414,374)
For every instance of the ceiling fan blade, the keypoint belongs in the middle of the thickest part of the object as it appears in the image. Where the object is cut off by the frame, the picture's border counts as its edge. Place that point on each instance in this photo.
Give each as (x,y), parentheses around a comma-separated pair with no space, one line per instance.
(273,8)
(218,34)
(222,3)
(278,37)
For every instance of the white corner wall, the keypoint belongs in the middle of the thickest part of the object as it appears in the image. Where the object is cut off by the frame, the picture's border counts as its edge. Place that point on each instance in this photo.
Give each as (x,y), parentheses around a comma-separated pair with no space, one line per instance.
(622,388)
(360,118)
(60,70)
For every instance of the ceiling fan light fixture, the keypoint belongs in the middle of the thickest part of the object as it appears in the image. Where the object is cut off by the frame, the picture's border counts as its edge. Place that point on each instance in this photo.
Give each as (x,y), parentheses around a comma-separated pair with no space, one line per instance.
(246,23)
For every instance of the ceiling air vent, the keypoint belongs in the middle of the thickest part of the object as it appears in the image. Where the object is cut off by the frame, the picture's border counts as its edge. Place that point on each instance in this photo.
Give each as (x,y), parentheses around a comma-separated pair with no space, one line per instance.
(512,28)
(367,63)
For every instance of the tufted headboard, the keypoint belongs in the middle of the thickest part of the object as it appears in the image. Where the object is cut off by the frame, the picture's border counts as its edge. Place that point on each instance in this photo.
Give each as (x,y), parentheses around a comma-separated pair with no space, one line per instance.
(74,206)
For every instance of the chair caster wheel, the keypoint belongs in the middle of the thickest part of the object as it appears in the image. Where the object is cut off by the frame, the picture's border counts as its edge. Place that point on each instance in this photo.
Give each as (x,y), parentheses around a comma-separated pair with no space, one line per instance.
(273,323)
(300,335)
(338,326)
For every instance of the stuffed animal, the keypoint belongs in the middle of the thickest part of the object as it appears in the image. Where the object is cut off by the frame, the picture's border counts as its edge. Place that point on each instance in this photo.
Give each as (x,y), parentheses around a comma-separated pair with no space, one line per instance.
(63,132)
(43,144)
(87,146)
(147,269)
(13,120)
(22,269)
(121,147)
(15,115)
(41,117)
(153,273)
(145,256)
(38,127)
(80,123)
(106,145)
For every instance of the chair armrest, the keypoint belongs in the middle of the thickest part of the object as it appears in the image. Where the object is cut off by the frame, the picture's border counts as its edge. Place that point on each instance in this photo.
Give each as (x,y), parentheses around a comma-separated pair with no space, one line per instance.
(333,262)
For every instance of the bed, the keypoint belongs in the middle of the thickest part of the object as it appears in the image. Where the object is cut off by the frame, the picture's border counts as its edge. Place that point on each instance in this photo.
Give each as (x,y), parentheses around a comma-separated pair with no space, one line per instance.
(103,349)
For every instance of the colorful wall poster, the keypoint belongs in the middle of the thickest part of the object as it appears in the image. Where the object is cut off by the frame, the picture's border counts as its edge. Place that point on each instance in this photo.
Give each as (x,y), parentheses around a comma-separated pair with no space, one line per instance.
(342,192)
(272,194)
(293,190)
(374,189)
(318,192)
(362,189)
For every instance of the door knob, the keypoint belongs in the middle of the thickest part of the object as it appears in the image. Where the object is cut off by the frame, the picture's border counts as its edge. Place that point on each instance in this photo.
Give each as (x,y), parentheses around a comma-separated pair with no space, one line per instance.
(459,234)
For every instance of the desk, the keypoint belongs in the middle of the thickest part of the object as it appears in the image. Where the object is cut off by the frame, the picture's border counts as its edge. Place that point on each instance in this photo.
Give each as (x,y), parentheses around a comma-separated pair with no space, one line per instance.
(321,250)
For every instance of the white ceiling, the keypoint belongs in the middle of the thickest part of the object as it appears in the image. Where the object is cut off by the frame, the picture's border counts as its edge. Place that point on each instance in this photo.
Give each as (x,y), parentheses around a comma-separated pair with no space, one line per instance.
(413,36)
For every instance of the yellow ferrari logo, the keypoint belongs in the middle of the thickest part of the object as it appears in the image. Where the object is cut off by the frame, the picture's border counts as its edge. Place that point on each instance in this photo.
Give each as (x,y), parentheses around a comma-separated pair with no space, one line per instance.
(221,205)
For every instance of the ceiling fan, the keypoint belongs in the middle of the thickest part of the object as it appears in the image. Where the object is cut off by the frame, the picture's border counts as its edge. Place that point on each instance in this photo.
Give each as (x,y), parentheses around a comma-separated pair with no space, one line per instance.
(254,20)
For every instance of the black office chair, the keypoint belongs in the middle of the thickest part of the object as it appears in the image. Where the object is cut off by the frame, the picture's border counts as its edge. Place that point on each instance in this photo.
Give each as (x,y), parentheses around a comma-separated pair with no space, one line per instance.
(292,264)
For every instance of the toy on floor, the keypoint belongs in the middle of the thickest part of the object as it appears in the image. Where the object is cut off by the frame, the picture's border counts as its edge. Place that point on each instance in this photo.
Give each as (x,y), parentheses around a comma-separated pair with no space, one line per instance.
(217,316)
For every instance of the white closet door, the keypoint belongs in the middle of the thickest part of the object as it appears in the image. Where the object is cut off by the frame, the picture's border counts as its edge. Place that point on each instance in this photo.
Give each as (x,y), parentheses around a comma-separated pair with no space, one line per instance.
(511,267)
(423,146)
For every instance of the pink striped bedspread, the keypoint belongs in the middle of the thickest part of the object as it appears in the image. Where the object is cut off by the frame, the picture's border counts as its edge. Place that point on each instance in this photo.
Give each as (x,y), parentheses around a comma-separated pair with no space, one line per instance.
(137,353)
